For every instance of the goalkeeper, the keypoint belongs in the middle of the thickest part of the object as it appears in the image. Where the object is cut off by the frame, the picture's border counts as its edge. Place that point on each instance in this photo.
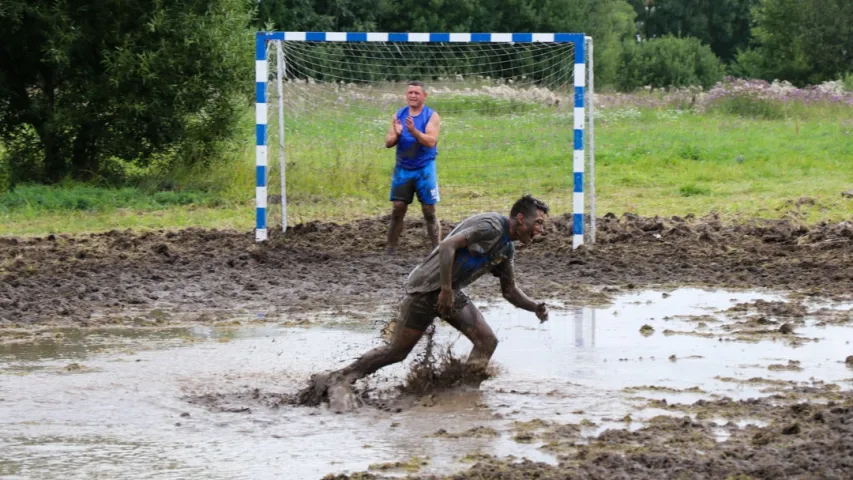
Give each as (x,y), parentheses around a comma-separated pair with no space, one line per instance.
(480,244)
(414,131)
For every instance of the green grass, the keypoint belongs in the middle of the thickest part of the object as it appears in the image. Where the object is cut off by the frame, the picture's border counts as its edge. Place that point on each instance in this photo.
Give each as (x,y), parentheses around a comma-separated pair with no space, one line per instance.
(651,163)
(698,164)
(40,199)
(482,104)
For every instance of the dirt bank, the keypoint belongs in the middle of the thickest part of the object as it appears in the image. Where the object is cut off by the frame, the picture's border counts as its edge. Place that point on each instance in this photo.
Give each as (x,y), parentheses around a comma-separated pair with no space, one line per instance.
(200,275)
(801,441)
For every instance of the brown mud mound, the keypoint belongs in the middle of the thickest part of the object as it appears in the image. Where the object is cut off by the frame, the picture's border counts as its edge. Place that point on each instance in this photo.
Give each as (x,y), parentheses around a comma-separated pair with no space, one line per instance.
(803,441)
(192,274)
(777,319)
(251,399)
(241,402)
(769,309)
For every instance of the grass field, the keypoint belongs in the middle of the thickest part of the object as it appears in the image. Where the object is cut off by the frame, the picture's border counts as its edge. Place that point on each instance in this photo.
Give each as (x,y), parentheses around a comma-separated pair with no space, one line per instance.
(650,160)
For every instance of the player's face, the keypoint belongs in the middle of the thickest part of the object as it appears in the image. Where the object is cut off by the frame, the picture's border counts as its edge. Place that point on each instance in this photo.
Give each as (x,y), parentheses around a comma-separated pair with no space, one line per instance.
(531,227)
(415,96)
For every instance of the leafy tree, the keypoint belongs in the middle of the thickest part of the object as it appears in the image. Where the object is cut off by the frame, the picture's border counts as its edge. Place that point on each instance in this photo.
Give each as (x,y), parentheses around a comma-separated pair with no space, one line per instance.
(612,26)
(722,24)
(609,22)
(320,15)
(83,84)
(802,41)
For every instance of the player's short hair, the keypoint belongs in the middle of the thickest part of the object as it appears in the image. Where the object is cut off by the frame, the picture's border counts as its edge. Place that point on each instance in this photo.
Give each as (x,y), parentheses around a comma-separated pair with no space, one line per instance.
(417,83)
(527,205)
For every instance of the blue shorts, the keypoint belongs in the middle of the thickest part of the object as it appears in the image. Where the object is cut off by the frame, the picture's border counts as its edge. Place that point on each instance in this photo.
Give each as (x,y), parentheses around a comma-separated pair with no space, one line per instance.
(423,182)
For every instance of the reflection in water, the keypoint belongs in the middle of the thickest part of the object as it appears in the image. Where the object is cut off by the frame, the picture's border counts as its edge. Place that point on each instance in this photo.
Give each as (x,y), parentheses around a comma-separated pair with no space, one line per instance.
(125,411)
(79,343)
(584,322)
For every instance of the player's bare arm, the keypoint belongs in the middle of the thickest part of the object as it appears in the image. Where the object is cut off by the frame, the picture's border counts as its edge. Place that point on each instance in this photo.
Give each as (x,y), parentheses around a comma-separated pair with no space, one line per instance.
(446,253)
(429,138)
(519,299)
(393,134)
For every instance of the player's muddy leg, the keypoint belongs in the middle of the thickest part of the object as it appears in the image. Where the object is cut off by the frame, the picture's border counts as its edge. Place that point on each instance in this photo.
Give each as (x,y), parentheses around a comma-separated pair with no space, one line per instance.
(336,385)
(341,397)
(432,225)
(416,313)
(398,213)
(471,323)
(396,351)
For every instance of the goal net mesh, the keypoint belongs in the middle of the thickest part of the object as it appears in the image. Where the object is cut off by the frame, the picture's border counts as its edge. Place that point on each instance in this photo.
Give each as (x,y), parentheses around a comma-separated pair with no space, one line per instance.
(506,114)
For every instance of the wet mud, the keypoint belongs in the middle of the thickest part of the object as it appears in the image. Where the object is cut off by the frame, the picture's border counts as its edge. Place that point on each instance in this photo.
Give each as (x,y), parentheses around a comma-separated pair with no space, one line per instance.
(156,277)
(801,440)
(793,429)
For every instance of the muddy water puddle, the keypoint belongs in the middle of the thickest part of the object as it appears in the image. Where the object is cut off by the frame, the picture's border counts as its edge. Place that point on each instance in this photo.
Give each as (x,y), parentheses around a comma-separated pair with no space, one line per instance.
(210,401)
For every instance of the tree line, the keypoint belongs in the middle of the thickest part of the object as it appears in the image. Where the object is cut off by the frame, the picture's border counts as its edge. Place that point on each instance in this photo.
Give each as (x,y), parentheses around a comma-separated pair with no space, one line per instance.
(88,88)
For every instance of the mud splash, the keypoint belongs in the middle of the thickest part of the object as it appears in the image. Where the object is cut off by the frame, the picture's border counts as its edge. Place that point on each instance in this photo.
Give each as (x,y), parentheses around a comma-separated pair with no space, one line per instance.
(435,370)
(438,369)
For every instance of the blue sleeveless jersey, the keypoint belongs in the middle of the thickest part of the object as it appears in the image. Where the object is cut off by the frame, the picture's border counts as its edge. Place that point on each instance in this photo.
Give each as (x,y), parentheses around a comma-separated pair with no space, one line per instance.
(411,155)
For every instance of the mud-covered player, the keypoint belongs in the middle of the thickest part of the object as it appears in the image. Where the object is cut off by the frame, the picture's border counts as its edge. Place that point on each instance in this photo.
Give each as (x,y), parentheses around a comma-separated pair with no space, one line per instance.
(480,244)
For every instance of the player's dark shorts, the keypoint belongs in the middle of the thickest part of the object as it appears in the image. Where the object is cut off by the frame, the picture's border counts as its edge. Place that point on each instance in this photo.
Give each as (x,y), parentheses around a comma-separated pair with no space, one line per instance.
(418,310)
(423,182)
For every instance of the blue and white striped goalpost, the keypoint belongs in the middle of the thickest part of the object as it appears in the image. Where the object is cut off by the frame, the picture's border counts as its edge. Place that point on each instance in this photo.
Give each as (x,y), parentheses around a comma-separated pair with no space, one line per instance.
(581,43)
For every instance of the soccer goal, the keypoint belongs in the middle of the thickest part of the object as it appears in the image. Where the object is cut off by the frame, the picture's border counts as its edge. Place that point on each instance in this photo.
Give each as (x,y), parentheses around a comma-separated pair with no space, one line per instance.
(514,108)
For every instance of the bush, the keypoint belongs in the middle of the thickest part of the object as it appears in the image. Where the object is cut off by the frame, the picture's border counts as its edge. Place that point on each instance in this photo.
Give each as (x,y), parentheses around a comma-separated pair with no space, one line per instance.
(90,84)
(749,63)
(5,184)
(669,62)
(847,81)
(5,176)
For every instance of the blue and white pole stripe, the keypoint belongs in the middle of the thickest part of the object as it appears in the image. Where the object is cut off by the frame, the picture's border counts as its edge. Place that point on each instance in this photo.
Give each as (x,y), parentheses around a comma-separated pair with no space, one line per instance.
(578,157)
(577,39)
(261,76)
